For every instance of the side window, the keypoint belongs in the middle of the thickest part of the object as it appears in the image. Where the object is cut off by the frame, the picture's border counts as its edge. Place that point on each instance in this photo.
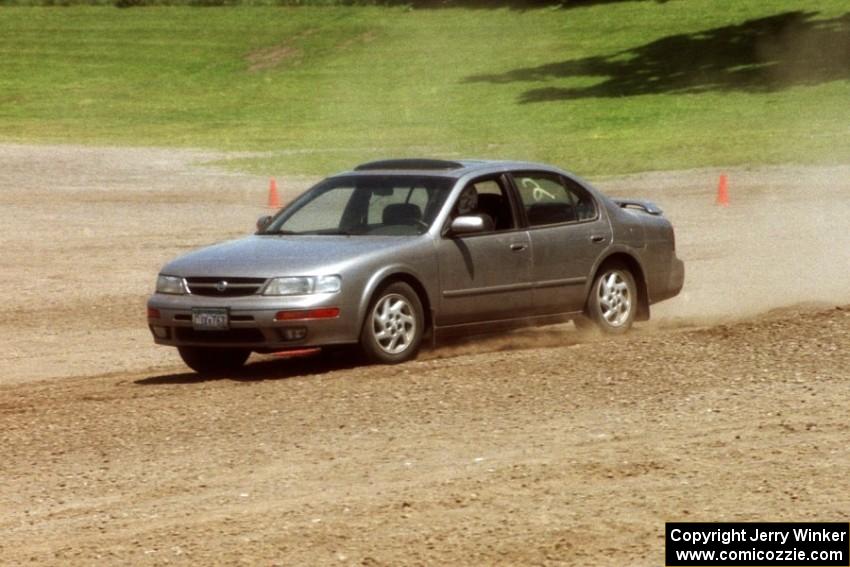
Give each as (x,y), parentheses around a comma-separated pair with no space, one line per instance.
(489,199)
(583,202)
(550,199)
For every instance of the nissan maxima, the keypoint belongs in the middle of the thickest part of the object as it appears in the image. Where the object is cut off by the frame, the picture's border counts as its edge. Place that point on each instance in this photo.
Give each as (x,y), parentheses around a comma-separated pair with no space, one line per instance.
(398,251)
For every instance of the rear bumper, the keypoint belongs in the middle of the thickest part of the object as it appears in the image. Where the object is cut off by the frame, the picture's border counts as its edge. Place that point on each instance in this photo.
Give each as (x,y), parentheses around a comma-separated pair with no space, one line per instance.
(252,322)
(674,282)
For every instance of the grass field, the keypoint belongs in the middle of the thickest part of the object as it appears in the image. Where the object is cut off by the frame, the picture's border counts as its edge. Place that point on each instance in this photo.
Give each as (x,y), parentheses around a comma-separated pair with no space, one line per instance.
(612,87)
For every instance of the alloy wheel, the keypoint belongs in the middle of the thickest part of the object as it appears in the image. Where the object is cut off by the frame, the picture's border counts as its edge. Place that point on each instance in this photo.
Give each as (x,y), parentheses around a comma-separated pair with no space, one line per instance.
(615,299)
(394,324)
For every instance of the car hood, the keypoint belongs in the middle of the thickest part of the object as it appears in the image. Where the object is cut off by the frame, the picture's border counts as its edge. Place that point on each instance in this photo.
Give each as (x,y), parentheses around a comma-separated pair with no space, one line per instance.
(283,255)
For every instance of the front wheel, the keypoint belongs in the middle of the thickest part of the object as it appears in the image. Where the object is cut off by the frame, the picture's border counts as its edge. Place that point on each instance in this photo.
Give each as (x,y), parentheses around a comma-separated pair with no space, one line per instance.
(613,302)
(394,325)
(209,361)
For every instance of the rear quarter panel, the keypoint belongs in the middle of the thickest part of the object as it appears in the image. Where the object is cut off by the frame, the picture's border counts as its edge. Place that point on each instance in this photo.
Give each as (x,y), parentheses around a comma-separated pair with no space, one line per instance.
(651,240)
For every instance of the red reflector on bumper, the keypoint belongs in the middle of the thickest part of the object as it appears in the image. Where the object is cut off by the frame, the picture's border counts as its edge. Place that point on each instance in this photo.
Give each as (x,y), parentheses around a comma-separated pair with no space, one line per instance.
(295,353)
(301,314)
(153,313)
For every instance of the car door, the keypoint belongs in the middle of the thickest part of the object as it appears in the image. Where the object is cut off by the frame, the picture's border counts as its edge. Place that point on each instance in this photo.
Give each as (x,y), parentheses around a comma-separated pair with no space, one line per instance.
(485,276)
(568,233)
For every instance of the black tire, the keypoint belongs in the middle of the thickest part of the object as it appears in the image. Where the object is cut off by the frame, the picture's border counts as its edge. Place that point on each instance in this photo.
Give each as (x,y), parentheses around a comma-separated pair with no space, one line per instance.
(613,301)
(213,361)
(394,324)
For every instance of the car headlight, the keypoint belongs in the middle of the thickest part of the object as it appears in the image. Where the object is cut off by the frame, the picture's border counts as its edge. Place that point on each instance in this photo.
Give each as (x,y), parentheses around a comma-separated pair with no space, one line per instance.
(170,284)
(303,285)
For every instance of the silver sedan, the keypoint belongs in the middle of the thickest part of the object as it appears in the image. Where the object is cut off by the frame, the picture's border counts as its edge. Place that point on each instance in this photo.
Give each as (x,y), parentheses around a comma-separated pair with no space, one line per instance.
(399,250)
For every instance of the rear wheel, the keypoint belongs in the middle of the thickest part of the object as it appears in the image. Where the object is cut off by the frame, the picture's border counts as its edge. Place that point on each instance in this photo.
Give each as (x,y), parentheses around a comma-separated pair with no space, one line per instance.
(394,325)
(209,361)
(613,302)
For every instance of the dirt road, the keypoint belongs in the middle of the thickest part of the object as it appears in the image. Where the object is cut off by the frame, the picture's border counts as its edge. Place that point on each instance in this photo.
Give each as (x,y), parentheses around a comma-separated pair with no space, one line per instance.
(539,447)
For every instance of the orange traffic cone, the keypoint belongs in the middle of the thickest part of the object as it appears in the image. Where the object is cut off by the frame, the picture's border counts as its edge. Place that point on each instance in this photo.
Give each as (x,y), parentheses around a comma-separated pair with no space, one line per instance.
(723,191)
(274,198)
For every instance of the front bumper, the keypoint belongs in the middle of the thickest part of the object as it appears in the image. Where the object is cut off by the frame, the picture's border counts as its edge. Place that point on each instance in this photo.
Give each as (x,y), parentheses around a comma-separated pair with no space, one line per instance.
(252,322)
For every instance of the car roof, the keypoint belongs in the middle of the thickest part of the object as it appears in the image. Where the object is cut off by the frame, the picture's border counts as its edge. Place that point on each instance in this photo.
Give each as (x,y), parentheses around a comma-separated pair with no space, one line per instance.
(444,168)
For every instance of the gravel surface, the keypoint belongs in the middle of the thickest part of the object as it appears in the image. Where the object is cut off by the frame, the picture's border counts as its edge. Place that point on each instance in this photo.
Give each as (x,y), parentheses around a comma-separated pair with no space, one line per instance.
(557,456)
(536,447)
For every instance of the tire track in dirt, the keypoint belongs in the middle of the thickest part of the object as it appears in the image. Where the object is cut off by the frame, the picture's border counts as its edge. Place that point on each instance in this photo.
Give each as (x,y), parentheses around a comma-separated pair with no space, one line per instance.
(535,447)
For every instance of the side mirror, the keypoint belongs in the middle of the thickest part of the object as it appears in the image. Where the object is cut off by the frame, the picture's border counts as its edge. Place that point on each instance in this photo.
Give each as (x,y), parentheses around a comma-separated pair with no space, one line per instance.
(466,225)
(263,222)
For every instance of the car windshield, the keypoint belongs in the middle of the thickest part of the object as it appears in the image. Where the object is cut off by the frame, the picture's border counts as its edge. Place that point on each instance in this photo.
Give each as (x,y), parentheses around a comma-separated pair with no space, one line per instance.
(391,205)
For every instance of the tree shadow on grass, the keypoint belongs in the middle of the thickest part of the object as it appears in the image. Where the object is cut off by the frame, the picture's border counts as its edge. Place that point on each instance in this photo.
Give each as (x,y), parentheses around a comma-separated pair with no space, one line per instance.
(510,4)
(416,4)
(761,55)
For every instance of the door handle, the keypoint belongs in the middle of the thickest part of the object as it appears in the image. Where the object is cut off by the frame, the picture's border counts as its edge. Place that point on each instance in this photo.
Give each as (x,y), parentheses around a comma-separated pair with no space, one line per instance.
(597,238)
(517,246)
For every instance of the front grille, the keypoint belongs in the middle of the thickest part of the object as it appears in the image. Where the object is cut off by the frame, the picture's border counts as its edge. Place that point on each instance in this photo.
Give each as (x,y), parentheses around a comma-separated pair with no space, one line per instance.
(232,287)
(217,337)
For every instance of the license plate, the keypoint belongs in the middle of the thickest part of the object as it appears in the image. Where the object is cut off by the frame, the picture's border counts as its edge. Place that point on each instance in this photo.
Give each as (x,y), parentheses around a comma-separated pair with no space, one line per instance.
(210,319)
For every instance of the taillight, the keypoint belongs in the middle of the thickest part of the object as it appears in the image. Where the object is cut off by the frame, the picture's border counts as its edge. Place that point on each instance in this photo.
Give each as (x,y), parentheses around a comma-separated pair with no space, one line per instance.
(153,313)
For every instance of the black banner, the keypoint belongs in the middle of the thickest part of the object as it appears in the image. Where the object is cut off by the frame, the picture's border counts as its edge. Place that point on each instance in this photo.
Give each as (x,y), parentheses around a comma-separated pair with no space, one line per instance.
(763,544)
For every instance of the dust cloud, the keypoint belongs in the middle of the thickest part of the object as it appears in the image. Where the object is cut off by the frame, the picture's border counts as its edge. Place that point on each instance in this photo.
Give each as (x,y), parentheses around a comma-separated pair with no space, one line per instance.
(784,240)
